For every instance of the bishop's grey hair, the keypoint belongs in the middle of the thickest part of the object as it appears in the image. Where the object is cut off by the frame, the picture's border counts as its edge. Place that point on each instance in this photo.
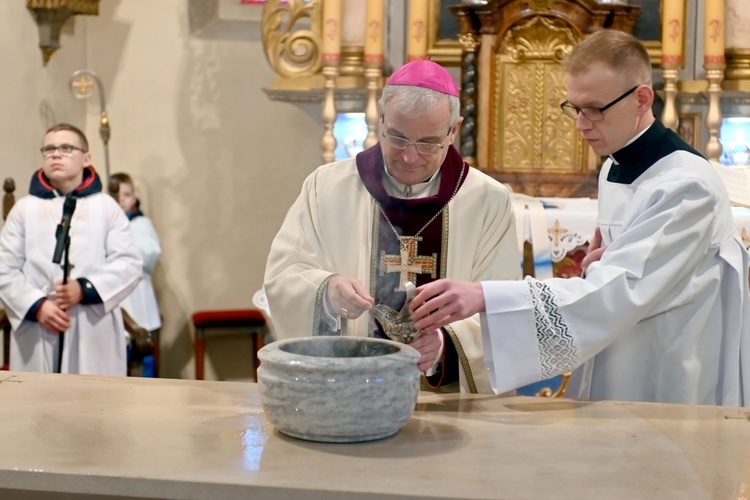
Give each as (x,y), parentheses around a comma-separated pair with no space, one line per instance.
(417,101)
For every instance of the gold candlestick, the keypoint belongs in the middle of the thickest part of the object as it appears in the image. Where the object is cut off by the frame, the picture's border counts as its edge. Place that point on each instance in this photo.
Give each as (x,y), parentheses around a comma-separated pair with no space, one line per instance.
(669,115)
(714,75)
(328,143)
(372,77)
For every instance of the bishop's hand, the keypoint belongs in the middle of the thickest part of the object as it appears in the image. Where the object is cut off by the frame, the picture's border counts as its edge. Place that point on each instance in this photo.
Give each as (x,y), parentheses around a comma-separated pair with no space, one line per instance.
(348,297)
(428,345)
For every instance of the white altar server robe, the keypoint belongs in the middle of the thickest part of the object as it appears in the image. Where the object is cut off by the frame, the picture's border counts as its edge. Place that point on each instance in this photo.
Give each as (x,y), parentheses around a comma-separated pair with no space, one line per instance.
(101,250)
(663,316)
(141,304)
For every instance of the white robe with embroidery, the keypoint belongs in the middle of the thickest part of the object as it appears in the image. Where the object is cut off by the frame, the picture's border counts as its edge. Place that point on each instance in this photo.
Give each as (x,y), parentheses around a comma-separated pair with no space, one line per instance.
(329,230)
(101,250)
(663,316)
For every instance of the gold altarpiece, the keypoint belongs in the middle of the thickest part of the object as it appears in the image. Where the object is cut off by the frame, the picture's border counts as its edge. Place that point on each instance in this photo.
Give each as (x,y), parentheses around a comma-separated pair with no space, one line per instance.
(522,137)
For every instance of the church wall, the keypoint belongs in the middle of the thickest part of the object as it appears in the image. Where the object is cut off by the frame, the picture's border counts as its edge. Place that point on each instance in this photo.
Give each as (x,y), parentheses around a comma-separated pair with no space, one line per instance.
(31,96)
(215,161)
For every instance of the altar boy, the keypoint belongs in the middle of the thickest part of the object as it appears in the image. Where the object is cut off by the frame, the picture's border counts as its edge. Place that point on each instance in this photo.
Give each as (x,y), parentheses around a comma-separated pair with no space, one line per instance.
(105,266)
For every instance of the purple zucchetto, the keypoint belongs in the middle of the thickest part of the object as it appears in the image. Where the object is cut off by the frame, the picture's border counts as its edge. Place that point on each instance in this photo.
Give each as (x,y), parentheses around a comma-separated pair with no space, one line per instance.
(426,74)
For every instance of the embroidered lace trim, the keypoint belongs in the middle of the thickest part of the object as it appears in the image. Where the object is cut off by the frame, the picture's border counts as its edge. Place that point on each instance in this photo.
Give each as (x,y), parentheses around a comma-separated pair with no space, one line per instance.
(558,349)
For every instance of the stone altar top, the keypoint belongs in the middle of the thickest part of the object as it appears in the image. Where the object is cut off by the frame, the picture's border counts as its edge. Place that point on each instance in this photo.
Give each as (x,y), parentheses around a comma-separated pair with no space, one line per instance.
(72,436)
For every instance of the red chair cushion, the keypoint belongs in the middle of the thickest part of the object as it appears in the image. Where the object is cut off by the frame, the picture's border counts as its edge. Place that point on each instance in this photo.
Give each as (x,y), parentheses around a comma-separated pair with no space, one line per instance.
(228,318)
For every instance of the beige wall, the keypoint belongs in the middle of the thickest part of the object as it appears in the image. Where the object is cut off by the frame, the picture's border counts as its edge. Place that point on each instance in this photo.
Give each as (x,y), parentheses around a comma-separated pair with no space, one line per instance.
(216,162)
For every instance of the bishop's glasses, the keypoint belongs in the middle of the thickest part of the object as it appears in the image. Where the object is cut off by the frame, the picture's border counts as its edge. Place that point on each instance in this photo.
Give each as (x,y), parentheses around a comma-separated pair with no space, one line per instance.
(423,148)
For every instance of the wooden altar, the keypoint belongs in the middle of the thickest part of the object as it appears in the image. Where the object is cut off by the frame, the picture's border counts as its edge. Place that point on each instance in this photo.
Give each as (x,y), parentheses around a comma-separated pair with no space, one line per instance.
(513,84)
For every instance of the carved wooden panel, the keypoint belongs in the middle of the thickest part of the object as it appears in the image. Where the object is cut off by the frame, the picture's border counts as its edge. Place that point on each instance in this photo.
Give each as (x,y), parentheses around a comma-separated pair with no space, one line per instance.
(529,132)
(523,138)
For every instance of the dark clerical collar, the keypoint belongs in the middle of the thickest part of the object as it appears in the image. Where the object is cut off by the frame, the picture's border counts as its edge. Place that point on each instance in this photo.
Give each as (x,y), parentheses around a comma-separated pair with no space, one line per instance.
(637,157)
(370,168)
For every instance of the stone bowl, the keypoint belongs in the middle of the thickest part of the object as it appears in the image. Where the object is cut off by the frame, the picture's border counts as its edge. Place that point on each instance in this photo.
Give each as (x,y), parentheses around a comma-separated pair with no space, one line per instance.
(338,389)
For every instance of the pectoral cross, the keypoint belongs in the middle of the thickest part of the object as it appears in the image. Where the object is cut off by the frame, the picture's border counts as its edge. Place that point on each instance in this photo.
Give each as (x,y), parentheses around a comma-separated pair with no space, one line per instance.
(408,264)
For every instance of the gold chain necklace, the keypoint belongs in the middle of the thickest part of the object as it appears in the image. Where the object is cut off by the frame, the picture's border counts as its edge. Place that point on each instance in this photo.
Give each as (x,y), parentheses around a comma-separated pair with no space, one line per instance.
(401,242)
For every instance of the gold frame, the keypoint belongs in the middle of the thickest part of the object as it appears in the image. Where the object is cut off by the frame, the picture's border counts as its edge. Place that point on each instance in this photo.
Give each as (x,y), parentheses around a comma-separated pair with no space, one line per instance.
(694,120)
(447,51)
(654,46)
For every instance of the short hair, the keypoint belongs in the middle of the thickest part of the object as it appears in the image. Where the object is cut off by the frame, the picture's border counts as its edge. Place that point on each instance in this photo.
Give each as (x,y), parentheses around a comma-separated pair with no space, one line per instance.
(70,128)
(417,101)
(114,183)
(622,52)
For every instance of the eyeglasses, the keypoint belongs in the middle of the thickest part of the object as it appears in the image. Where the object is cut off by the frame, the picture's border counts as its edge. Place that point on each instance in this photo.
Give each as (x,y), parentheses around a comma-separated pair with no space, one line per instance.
(592,113)
(423,148)
(65,150)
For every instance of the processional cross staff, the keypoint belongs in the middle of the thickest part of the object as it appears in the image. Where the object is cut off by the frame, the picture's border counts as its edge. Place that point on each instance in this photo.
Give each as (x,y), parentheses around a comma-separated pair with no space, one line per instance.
(82,85)
(62,253)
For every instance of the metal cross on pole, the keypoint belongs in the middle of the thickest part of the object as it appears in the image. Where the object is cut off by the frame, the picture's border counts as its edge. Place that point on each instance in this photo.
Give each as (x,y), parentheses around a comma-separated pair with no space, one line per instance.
(82,85)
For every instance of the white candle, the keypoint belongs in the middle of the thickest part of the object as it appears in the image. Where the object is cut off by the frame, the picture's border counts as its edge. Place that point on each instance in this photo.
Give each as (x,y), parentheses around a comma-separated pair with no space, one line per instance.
(374,32)
(672,32)
(714,39)
(331,32)
(417,31)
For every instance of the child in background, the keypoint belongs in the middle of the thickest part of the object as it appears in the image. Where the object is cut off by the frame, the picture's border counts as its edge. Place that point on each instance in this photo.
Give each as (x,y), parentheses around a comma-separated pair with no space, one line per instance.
(141,304)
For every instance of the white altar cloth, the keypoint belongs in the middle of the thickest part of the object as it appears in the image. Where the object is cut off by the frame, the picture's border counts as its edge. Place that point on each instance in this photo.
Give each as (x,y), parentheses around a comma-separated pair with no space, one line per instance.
(570,224)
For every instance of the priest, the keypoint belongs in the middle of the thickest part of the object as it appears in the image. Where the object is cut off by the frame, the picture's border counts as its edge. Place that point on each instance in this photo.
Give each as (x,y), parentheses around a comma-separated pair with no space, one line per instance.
(408,209)
(662,313)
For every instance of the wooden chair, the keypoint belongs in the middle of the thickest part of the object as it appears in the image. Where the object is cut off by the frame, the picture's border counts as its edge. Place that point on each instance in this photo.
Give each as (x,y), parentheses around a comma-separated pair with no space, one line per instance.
(9,186)
(140,337)
(141,342)
(233,321)
(5,325)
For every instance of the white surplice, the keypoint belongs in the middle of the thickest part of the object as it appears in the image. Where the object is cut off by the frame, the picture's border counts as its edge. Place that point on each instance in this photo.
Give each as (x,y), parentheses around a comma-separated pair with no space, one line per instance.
(663,316)
(141,304)
(329,230)
(101,250)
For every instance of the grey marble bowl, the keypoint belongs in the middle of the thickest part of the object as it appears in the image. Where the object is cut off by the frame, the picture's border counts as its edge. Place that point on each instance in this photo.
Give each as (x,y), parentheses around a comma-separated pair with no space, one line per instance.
(338,389)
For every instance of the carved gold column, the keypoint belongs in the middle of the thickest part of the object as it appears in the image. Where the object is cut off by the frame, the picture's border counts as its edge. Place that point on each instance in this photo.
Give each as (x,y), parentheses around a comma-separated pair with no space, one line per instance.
(373,62)
(714,64)
(331,60)
(469,45)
